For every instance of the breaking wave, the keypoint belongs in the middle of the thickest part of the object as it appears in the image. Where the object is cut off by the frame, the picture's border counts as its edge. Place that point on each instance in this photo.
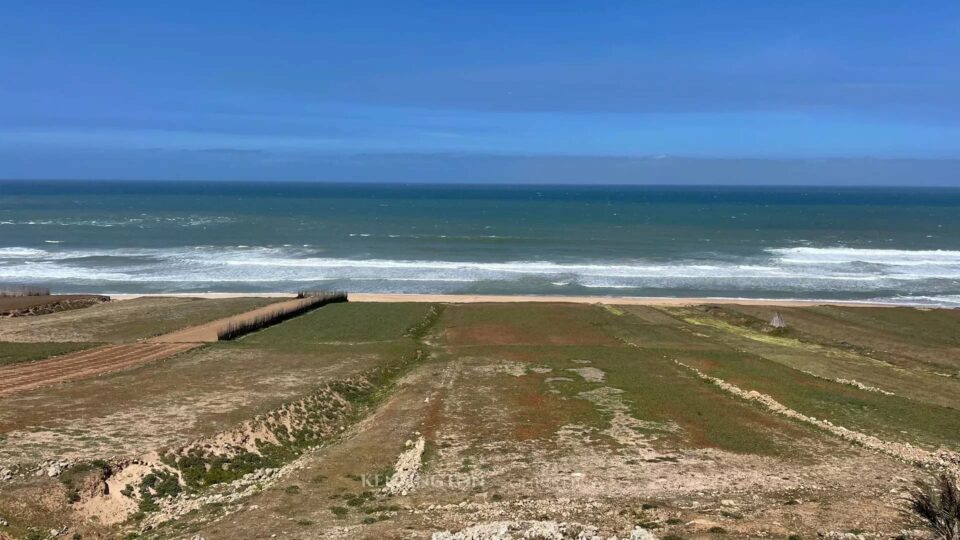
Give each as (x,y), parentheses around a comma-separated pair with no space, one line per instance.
(929,277)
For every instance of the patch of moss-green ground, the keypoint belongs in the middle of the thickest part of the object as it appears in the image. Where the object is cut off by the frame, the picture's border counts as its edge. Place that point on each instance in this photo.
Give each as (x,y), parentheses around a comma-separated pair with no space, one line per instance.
(17,353)
(892,418)
(343,323)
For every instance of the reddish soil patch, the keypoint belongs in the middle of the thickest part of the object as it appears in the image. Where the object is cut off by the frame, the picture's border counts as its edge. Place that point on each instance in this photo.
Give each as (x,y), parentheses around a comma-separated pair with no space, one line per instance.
(434,417)
(96,361)
(487,334)
(536,415)
(541,324)
(511,334)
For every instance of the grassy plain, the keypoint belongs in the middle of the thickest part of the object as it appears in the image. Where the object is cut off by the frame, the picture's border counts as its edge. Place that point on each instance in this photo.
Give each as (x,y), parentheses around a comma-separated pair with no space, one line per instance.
(583,414)
(15,353)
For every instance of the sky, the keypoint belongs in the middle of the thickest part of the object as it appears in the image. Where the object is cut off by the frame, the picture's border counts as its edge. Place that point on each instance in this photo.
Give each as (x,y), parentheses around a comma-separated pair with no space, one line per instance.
(597,91)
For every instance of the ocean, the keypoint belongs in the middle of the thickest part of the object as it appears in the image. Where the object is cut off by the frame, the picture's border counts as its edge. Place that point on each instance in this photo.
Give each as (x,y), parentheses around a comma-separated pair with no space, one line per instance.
(894,245)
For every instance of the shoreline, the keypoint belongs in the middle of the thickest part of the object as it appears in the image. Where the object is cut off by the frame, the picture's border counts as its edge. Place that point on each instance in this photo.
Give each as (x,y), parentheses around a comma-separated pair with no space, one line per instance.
(498,298)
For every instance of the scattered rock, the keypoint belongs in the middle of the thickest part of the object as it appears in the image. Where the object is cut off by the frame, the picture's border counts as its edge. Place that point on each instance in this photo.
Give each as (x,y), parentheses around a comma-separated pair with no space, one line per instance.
(546,530)
(51,468)
(407,469)
(639,533)
(834,535)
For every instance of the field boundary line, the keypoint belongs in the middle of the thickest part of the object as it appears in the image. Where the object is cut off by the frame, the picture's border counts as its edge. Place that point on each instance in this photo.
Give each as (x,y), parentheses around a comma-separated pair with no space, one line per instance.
(906,452)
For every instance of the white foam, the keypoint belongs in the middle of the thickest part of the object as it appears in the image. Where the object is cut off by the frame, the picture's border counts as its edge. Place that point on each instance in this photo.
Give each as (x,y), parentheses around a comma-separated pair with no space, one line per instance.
(929,276)
(843,255)
(21,253)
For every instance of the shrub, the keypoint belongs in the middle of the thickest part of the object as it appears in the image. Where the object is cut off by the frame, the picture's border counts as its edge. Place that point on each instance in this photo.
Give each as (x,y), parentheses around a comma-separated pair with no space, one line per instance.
(936,504)
(23,290)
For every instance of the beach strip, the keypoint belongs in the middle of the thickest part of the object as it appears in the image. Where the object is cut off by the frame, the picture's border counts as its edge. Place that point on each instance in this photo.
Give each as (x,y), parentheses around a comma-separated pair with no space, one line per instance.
(493,298)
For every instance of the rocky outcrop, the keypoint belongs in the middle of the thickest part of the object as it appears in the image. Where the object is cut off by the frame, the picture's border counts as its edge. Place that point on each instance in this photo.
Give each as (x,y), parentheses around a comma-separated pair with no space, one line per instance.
(545,530)
(407,470)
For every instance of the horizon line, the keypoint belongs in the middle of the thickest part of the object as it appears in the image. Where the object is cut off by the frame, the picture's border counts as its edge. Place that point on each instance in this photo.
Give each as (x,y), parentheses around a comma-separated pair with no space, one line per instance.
(484,184)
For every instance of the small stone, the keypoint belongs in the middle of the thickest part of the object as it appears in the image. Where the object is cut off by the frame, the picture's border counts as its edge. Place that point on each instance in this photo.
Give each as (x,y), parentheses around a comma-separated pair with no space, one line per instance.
(55,468)
(727,502)
(639,533)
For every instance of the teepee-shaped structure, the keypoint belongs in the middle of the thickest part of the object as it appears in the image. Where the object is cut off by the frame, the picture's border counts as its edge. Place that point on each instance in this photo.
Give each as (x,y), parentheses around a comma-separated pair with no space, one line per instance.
(777,321)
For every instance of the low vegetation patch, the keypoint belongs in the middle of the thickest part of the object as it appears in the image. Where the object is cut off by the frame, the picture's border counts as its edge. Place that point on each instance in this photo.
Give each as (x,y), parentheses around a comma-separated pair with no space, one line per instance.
(16,353)
(936,506)
(157,485)
(419,330)
(23,290)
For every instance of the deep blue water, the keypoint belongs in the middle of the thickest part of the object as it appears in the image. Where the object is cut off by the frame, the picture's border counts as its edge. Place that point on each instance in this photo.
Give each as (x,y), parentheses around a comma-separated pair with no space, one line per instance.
(786,242)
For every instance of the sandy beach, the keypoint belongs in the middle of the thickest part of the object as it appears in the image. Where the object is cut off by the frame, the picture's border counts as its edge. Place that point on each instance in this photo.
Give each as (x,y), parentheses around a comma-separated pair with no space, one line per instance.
(501,299)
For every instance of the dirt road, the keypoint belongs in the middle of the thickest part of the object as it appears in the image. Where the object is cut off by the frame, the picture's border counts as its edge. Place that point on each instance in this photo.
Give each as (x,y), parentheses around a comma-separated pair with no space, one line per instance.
(111,358)
(90,362)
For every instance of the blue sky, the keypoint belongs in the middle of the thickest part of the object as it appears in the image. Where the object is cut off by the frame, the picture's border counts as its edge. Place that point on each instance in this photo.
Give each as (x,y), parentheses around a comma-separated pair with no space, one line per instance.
(302,90)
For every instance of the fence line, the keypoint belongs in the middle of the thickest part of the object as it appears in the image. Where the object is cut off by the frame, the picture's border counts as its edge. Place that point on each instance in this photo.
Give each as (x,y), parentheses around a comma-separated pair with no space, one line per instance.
(310,300)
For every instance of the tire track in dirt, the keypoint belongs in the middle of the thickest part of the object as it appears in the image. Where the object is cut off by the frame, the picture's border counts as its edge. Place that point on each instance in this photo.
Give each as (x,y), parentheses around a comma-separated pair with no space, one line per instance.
(112,358)
(97,358)
(87,363)
(42,365)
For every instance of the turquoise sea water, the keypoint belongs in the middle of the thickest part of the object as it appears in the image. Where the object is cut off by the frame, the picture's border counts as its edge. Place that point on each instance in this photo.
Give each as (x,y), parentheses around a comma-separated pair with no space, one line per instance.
(899,245)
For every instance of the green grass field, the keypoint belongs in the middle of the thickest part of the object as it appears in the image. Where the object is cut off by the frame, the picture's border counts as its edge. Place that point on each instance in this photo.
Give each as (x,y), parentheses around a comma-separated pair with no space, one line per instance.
(343,323)
(15,353)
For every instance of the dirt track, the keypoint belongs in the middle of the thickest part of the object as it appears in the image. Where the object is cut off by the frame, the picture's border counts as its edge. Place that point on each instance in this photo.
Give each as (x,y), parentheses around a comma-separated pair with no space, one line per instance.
(110,358)
(106,359)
